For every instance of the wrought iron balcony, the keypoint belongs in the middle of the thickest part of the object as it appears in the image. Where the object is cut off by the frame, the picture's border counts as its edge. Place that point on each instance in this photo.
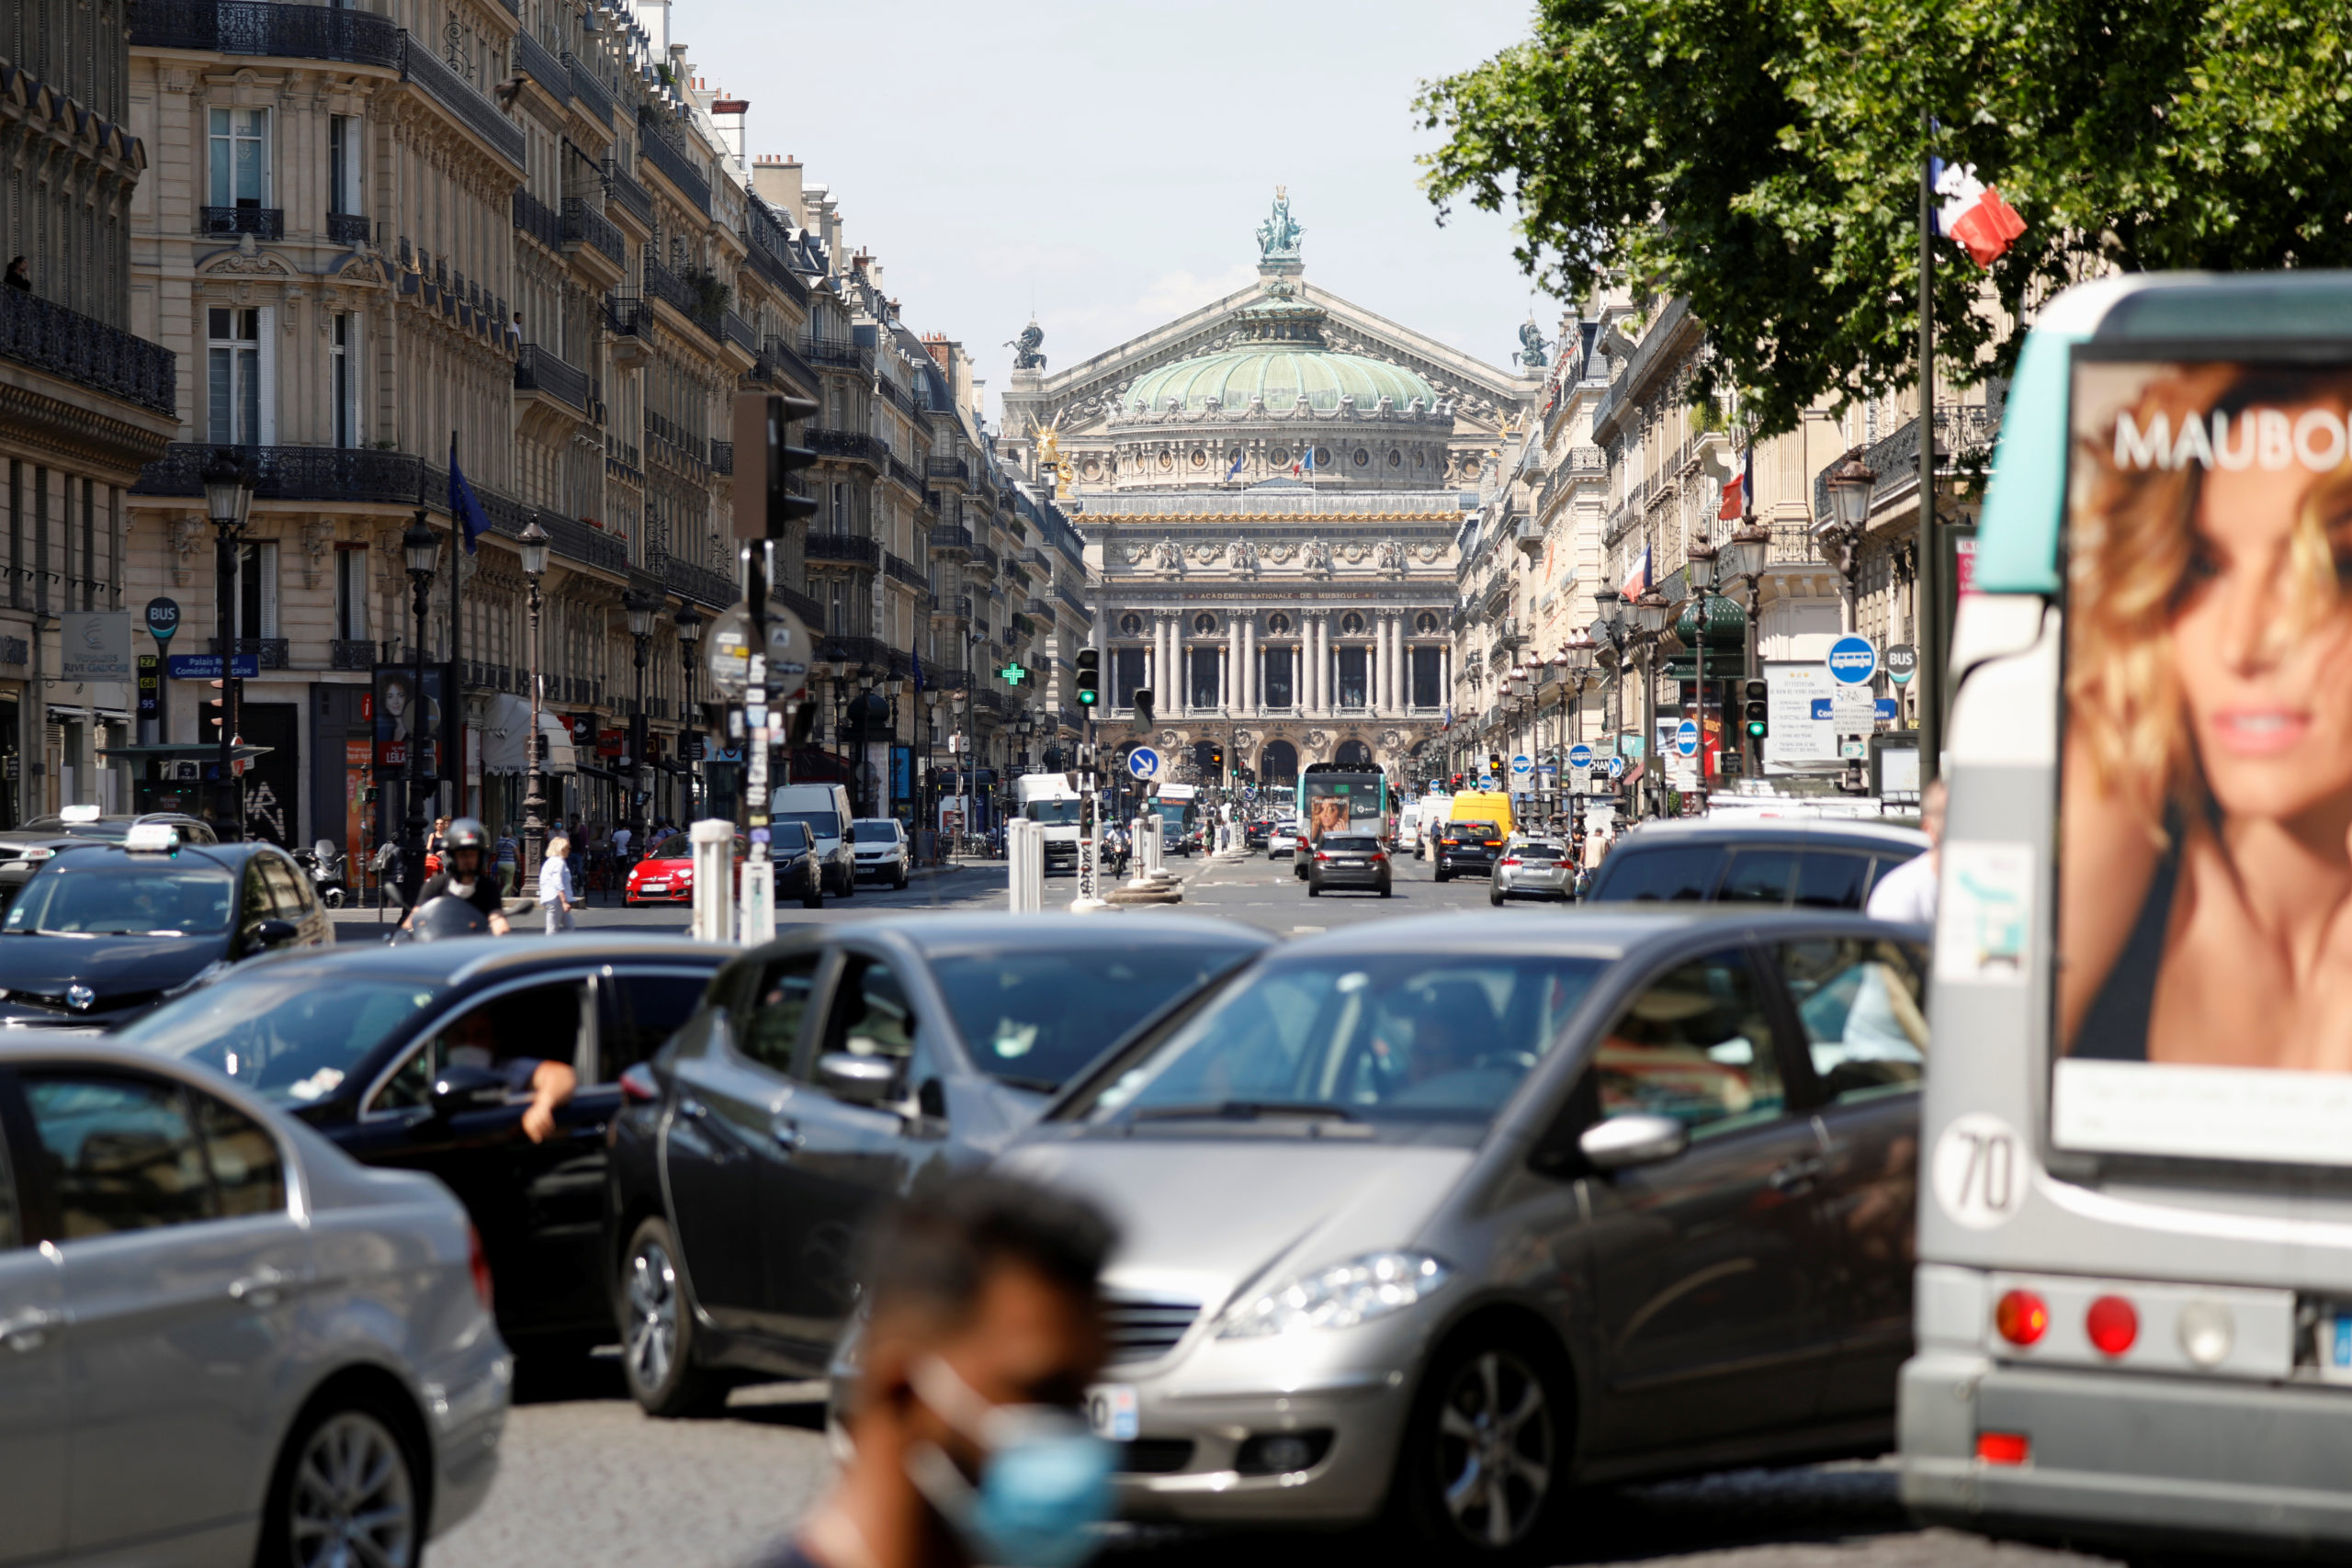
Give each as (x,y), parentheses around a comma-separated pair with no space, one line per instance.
(734,328)
(303,473)
(540,220)
(954,606)
(348,228)
(623,187)
(722,456)
(951,540)
(271,650)
(899,568)
(261,223)
(540,63)
(947,468)
(584,224)
(453,93)
(345,653)
(624,314)
(684,578)
(539,369)
(808,609)
(83,349)
(849,547)
(854,443)
(785,358)
(838,351)
(666,434)
(588,89)
(265,28)
(674,165)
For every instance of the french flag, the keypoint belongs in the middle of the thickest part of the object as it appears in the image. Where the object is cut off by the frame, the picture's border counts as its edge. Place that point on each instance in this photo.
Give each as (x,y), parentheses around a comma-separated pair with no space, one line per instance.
(1637,578)
(1973,213)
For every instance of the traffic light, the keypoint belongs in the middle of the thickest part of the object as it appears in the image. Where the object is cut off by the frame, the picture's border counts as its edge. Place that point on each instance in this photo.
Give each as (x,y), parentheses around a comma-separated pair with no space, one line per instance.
(1089,677)
(1142,700)
(764,461)
(1757,697)
(1216,761)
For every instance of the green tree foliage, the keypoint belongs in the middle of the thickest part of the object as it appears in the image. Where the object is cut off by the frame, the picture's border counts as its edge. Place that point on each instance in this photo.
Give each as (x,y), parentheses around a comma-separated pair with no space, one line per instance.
(1763,157)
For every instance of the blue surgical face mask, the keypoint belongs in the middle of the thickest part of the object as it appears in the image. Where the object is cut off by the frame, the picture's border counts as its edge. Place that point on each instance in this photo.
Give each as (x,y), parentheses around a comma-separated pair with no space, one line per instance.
(1044,1486)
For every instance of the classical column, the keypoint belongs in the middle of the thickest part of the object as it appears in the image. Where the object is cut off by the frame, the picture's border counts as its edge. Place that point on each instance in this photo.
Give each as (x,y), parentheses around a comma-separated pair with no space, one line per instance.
(1235,681)
(1248,666)
(1313,662)
(1401,672)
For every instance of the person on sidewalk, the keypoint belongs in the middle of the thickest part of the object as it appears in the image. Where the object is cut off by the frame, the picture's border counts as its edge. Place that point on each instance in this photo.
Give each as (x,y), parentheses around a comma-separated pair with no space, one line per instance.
(1908,892)
(556,896)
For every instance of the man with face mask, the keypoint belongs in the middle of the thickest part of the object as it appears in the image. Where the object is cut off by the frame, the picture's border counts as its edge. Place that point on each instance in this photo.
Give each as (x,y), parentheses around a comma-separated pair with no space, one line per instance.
(985,1331)
(464,844)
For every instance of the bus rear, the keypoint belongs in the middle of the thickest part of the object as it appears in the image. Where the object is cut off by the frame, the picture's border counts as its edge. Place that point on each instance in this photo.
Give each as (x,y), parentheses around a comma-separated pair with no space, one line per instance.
(2134,1304)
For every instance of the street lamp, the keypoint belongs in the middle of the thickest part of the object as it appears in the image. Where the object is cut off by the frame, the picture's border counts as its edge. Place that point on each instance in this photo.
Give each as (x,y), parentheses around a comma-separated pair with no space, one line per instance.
(421,547)
(534,540)
(229,498)
(689,622)
(639,605)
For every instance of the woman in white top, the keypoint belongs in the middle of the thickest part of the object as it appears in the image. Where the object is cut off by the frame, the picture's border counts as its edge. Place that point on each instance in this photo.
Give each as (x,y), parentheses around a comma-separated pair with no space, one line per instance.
(555,885)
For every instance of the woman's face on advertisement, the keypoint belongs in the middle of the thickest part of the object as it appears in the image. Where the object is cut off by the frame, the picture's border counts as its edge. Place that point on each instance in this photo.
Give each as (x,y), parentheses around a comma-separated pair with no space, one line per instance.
(2269,698)
(395,698)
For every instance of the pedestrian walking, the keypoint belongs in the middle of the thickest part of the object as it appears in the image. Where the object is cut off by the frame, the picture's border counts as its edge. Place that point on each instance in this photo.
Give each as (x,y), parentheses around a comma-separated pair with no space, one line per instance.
(508,859)
(556,895)
(1908,892)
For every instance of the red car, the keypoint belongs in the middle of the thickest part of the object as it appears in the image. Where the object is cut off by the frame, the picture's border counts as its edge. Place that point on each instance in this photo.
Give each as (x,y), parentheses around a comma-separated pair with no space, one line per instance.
(667,874)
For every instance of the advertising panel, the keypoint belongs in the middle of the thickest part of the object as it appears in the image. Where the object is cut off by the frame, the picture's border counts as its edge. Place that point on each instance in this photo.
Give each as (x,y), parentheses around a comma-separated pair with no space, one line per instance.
(1797,738)
(401,714)
(2205,871)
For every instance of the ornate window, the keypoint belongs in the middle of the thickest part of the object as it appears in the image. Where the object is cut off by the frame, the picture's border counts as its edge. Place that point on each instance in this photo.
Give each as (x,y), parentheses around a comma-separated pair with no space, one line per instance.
(1425,623)
(1351,625)
(1278,625)
(1204,623)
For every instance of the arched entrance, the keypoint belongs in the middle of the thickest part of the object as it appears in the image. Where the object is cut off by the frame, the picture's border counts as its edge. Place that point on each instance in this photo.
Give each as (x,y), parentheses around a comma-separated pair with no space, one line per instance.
(1278,763)
(1352,754)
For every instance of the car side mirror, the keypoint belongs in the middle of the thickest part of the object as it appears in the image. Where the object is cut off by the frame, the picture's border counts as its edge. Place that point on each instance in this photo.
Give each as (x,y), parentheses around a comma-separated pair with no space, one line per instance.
(462,1087)
(1623,1142)
(272,934)
(858,1080)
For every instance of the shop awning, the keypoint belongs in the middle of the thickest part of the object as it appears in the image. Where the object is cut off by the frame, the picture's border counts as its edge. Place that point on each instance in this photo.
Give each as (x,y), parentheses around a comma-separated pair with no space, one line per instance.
(502,738)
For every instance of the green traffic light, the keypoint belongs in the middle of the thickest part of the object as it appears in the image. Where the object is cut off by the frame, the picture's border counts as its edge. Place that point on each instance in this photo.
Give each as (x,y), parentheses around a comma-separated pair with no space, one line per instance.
(1086,695)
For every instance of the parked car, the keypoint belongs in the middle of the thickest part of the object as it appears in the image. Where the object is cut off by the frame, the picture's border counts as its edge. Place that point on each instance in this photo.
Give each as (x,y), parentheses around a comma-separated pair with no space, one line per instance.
(823,809)
(1282,838)
(226,1342)
(882,849)
(1533,868)
(100,932)
(406,1056)
(666,873)
(1826,864)
(1457,1214)
(799,873)
(1468,846)
(823,1072)
(1348,860)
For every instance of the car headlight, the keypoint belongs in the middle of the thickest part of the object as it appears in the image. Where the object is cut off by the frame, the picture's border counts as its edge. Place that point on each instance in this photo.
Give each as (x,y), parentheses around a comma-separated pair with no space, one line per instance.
(1339,1297)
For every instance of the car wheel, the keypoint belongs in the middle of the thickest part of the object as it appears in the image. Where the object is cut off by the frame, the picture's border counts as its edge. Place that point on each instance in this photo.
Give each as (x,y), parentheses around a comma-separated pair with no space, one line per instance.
(849,884)
(1485,1461)
(1495,895)
(1314,888)
(1384,889)
(657,1330)
(813,895)
(900,884)
(1444,874)
(345,1491)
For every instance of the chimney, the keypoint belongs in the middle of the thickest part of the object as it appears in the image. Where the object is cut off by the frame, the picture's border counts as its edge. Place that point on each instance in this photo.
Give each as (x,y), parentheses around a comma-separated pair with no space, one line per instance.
(728,114)
(776,181)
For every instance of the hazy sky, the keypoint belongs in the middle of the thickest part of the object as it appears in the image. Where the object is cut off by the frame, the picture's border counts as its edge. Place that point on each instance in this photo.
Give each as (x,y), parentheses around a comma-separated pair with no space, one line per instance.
(1106,163)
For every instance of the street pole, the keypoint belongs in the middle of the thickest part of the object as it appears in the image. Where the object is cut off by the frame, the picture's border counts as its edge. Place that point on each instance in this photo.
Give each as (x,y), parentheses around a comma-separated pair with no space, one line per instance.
(1928,582)
(422,548)
(535,542)
(637,605)
(229,498)
(690,623)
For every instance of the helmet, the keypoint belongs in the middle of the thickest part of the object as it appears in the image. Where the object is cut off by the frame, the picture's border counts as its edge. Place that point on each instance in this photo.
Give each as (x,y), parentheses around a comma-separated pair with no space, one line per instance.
(466,833)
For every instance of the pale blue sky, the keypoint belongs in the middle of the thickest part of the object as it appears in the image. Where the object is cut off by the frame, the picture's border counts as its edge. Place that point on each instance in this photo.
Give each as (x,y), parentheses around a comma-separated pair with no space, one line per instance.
(1109,162)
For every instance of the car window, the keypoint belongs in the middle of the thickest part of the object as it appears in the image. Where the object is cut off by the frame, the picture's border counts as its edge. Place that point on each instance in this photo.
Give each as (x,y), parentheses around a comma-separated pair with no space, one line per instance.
(247,1169)
(1034,1017)
(871,1016)
(511,1034)
(1466,829)
(789,838)
(285,890)
(1684,874)
(1545,852)
(1863,1006)
(1352,844)
(282,1034)
(255,903)
(773,1029)
(1757,876)
(124,896)
(873,832)
(1885,864)
(1832,879)
(677,846)
(120,1151)
(1695,1045)
(640,1012)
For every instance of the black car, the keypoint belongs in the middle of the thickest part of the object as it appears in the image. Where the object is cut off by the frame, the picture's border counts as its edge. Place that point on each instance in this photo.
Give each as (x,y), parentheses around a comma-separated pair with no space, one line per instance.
(1467,846)
(794,850)
(1827,865)
(99,932)
(22,850)
(824,1071)
(399,1054)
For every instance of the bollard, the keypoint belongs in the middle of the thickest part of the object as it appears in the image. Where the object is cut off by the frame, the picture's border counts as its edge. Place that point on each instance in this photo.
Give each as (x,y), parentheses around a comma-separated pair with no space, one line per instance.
(1024,857)
(714,917)
(759,902)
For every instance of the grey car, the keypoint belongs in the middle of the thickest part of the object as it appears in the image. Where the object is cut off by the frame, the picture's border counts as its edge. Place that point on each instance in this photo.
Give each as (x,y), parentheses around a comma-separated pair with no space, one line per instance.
(1533,868)
(1446,1216)
(222,1340)
(1348,860)
(1829,863)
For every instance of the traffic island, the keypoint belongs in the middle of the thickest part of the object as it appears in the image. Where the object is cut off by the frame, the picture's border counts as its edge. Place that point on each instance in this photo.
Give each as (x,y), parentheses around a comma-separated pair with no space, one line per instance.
(1169,893)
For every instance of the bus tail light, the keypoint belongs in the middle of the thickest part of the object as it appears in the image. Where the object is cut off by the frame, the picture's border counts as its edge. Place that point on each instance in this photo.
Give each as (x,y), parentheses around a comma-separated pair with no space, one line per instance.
(2021,1317)
(2111,1325)
(2004,1448)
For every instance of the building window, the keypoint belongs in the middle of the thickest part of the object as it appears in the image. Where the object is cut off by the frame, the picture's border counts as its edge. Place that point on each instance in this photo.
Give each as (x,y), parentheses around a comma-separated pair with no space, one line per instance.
(841,509)
(239,359)
(351,594)
(239,146)
(1204,624)
(1279,693)
(343,163)
(343,384)
(1351,625)
(1427,666)
(257,591)
(837,621)
(1126,674)
(1204,676)
(1351,683)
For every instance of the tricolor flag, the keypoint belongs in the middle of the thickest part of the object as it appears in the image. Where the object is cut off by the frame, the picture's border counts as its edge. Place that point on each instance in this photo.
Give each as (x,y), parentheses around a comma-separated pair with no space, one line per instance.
(1304,463)
(1638,577)
(1973,213)
(1732,510)
(1234,472)
(463,507)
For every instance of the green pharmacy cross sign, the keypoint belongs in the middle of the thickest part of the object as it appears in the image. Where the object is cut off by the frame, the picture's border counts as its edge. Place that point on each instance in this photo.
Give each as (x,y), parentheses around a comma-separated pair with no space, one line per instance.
(1014,673)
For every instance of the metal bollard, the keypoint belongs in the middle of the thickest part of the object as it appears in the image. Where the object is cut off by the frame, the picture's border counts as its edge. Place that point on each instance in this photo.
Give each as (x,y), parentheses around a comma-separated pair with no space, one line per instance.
(759,902)
(714,917)
(1024,856)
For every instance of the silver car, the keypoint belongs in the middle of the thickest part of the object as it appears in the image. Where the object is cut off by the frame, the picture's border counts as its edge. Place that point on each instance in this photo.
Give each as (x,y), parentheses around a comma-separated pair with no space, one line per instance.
(881,847)
(222,1340)
(1533,868)
(1454,1214)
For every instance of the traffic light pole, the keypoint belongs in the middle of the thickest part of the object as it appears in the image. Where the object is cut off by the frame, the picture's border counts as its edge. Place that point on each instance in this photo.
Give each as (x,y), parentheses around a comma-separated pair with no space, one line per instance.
(764,508)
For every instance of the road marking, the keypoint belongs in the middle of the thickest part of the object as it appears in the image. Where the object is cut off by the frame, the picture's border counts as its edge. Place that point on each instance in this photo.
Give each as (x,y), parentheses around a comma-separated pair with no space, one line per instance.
(1306,931)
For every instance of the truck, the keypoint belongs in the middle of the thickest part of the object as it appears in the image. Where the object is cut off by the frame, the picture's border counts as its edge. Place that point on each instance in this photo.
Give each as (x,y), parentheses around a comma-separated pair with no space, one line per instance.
(1049,798)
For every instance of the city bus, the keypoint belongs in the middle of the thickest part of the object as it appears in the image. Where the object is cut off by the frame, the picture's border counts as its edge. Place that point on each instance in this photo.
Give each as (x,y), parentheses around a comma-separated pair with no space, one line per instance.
(2132,1309)
(1336,795)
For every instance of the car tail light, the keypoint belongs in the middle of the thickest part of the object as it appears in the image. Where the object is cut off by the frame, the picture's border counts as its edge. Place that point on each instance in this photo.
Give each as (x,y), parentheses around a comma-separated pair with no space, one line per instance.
(2004,1448)
(1512,859)
(638,1086)
(1379,859)
(1451,843)
(1494,843)
(1322,854)
(477,1265)
(2112,1325)
(2021,1317)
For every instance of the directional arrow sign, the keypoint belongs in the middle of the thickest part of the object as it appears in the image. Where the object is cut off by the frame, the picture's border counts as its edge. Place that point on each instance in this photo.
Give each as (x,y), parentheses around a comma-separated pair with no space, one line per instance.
(1143,763)
(1616,767)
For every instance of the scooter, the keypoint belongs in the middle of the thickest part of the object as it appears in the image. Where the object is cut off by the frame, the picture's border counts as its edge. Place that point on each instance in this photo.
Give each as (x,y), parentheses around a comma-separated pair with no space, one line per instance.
(323,862)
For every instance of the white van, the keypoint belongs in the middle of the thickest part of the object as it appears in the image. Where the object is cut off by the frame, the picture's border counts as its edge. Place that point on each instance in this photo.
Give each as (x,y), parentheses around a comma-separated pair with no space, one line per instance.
(1048,798)
(825,809)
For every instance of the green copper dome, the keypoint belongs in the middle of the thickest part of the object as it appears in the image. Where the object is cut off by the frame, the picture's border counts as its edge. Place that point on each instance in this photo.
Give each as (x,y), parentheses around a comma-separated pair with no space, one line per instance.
(1282,358)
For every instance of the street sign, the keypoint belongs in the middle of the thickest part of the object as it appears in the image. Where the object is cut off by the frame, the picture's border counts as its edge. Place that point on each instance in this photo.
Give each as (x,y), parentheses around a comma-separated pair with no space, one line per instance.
(1143,763)
(1686,738)
(1521,766)
(1902,663)
(1852,661)
(1616,767)
(163,619)
(1886,708)
(206,666)
(1580,756)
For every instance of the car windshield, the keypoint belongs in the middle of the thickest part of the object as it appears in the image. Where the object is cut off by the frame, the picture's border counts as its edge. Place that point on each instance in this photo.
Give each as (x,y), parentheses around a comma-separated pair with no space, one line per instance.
(677,846)
(1396,1037)
(820,824)
(1538,851)
(1472,829)
(282,1033)
(123,899)
(1033,1018)
(1053,811)
(790,837)
(873,833)
(1350,843)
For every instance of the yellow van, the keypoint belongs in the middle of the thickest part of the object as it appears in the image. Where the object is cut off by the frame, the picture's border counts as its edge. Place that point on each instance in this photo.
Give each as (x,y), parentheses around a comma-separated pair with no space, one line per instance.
(1483,806)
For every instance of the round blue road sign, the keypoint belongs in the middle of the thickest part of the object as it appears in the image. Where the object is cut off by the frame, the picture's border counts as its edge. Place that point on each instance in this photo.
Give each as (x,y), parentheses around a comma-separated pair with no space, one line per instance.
(1143,763)
(1686,738)
(1580,756)
(1852,661)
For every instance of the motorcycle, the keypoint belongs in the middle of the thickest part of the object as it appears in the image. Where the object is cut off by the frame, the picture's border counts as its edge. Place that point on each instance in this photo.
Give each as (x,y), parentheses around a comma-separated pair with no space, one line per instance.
(322,863)
(439,918)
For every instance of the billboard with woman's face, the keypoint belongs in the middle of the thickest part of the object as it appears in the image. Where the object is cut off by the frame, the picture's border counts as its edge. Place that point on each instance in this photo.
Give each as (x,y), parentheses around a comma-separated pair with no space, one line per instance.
(2204,987)
(401,716)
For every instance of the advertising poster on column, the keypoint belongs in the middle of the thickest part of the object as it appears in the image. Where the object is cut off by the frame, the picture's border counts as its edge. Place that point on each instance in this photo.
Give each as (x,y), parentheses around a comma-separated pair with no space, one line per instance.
(403,718)
(2204,883)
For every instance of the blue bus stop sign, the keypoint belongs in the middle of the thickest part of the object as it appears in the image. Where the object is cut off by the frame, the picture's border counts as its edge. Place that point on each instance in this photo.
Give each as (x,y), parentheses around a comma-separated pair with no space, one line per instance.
(1852,661)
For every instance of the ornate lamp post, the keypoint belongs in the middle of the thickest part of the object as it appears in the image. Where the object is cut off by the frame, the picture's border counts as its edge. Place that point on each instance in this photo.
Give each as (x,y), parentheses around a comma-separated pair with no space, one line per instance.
(227,497)
(689,622)
(639,605)
(534,540)
(1849,485)
(421,547)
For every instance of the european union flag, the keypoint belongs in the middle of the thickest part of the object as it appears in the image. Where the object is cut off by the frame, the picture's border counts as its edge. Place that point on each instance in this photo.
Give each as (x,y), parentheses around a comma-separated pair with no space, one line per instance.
(472,522)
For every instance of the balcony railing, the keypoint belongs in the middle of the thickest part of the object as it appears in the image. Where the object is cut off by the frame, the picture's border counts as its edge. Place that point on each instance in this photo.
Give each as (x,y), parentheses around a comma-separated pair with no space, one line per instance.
(956,605)
(348,228)
(951,539)
(540,63)
(785,358)
(623,187)
(848,548)
(303,473)
(270,650)
(582,223)
(347,653)
(845,444)
(261,223)
(947,468)
(734,328)
(984,559)
(675,166)
(265,28)
(624,314)
(680,441)
(568,536)
(445,87)
(1964,435)
(835,351)
(722,456)
(83,349)
(539,369)
(588,90)
(537,218)
(715,588)
(662,284)
(808,609)
(899,568)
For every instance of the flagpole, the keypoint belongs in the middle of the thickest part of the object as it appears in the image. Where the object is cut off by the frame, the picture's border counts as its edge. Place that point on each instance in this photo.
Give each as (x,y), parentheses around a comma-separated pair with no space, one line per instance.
(453,712)
(1927,578)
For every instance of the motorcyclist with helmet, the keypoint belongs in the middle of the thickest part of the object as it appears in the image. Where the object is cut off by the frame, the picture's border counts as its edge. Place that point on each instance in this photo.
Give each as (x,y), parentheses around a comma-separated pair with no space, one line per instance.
(464,876)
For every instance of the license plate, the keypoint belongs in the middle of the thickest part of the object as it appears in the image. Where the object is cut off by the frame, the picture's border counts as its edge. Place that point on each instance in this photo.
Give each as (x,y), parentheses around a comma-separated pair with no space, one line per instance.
(653,887)
(1110,1411)
(1351,864)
